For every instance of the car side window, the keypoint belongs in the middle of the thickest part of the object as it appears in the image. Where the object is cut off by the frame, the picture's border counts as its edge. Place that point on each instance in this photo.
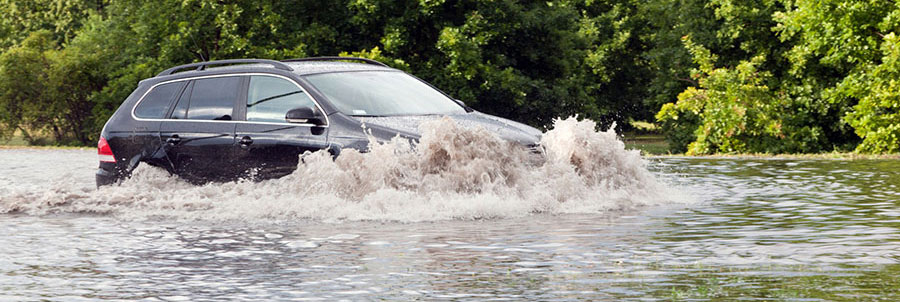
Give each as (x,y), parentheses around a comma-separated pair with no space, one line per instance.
(208,99)
(156,103)
(270,98)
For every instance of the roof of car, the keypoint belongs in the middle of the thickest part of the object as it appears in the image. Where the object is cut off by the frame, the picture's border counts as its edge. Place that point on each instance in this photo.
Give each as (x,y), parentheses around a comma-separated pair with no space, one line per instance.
(305,66)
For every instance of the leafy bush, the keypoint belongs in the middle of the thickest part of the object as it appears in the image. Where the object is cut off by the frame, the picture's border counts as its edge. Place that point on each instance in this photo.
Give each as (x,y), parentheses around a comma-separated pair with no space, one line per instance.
(845,53)
(877,116)
(733,111)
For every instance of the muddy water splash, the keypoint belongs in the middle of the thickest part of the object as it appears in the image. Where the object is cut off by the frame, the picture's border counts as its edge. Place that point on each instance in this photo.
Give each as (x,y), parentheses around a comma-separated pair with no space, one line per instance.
(453,173)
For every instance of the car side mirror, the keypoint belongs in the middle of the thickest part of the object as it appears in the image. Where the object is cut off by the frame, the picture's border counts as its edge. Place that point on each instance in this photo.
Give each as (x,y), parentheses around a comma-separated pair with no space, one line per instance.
(304,115)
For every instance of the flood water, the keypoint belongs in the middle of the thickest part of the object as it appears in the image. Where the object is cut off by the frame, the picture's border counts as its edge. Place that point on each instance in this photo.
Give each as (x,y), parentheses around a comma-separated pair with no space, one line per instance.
(751,229)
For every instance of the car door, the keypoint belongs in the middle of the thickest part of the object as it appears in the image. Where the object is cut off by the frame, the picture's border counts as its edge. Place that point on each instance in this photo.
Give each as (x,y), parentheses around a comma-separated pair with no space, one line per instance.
(198,136)
(267,145)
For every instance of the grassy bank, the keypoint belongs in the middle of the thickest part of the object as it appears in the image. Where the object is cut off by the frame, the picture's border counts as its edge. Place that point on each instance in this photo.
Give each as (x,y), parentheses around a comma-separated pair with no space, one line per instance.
(655,145)
(11,147)
(646,137)
(831,155)
(649,144)
(17,141)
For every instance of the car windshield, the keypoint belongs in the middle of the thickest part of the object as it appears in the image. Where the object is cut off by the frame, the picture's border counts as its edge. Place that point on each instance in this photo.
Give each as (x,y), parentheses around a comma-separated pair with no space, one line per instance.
(382,93)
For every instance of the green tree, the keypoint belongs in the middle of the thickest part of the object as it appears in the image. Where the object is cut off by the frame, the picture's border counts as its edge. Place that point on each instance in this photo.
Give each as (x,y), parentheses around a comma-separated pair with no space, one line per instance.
(511,58)
(136,39)
(845,55)
(733,30)
(817,61)
(876,118)
(45,90)
(729,65)
(734,110)
(61,18)
(528,60)
(754,76)
(24,71)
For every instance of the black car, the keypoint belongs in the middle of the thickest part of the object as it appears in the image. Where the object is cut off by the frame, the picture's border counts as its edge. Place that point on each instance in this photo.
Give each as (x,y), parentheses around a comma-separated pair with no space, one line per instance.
(218,124)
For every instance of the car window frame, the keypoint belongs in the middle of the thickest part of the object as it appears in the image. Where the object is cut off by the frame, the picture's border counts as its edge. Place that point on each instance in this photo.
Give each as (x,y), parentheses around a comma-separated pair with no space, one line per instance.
(188,87)
(239,112)
(242,106)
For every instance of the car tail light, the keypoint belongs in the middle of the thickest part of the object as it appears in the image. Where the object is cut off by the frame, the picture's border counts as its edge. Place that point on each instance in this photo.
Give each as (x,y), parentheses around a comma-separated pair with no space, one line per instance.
(104,152)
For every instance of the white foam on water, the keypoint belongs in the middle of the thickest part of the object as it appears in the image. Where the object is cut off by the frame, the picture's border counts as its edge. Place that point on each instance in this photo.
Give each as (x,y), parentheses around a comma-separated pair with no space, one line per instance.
(453,172)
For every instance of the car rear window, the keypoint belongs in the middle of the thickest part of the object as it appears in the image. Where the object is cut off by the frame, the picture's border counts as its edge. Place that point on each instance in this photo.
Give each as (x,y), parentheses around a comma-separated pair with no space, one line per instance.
(208,99)
(156,103)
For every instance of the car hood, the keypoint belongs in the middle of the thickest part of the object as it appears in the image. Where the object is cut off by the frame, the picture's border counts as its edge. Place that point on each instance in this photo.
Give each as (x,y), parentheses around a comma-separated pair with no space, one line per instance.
(504,128)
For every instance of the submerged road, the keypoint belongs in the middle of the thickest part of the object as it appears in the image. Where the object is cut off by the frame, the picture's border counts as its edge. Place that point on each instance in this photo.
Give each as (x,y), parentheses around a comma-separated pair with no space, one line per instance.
(770,229)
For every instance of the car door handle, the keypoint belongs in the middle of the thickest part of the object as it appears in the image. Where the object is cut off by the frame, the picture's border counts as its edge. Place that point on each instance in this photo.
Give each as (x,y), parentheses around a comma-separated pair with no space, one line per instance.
(246,142)
(173,140)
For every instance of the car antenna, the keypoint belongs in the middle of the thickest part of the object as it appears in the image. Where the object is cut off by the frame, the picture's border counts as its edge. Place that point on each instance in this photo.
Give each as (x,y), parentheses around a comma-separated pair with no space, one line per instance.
(199,50)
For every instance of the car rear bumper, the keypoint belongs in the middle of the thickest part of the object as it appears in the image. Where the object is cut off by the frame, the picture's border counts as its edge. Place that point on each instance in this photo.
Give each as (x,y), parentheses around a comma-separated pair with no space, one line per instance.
(107,176)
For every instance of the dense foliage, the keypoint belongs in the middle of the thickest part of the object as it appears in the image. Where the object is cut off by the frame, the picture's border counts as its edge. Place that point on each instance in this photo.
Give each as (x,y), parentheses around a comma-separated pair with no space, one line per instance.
(812,76)
(718,75)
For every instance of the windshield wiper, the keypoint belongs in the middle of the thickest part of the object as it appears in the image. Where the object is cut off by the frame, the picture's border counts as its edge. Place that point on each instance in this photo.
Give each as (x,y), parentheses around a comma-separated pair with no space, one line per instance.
(273,97)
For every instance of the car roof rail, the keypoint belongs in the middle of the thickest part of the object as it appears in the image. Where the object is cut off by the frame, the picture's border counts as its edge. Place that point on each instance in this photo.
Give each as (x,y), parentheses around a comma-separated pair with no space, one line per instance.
(203,65)
(311,59)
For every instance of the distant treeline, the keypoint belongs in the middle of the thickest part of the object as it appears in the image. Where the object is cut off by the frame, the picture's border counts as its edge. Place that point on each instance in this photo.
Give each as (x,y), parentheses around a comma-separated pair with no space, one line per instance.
(719,76)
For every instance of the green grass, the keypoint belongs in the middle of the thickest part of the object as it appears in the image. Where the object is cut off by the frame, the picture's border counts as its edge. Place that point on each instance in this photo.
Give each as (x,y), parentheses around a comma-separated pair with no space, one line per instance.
(828,155)
(16,140)
(649,144)
(645,136)
(648,138)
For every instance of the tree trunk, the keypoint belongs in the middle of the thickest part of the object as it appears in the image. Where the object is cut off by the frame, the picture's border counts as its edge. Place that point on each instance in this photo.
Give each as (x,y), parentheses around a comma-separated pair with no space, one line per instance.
(26,135)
